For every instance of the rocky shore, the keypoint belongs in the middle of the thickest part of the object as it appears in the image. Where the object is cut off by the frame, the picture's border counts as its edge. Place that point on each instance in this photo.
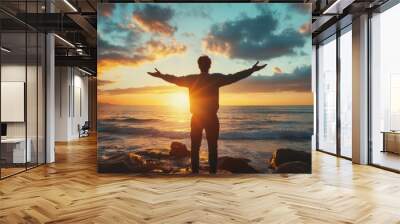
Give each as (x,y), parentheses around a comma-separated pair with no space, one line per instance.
(176,160)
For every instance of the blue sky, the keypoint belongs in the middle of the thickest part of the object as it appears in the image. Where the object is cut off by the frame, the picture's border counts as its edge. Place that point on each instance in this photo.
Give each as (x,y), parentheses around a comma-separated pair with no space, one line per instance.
(135,38)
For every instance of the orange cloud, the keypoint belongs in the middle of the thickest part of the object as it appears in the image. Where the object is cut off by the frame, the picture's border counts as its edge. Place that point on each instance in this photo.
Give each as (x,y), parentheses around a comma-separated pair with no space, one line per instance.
(154,26)
(106,9)
(155,19)
(155,49)
(277,70)
(101,82)
(213,45)
(305,28)
(140,90)
(151,51)
(106,64)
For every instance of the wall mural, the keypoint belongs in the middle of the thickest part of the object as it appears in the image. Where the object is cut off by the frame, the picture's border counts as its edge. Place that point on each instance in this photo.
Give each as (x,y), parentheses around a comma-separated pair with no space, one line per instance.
(204,88)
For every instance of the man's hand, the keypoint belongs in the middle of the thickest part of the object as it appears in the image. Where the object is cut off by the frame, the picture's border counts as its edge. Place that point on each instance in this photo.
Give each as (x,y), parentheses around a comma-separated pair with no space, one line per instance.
(257,67)
(157,73)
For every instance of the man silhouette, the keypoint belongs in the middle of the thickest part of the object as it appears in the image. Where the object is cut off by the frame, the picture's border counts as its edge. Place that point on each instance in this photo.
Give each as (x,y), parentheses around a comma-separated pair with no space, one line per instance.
(204,104)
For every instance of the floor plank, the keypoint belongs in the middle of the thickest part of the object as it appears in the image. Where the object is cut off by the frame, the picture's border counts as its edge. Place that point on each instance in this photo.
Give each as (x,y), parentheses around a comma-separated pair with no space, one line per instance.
(71,191)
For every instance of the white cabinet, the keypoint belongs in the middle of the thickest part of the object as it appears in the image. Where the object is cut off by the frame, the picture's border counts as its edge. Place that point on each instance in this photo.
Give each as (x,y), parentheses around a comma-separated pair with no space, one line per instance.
(17,146)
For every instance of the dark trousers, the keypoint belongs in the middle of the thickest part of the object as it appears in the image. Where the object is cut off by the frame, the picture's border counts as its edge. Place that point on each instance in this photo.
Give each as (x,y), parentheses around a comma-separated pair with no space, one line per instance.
(211,125)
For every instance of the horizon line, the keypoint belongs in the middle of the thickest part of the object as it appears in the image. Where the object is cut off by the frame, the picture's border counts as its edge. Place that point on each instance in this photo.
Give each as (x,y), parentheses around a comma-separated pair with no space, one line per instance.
(129,105)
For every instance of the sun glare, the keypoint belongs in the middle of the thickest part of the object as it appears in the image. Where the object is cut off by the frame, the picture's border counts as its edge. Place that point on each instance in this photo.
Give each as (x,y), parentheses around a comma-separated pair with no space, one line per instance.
(179,100)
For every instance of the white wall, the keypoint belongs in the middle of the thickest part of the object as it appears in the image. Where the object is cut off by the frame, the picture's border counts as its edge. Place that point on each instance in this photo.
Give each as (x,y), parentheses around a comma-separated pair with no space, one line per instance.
(71,102)
(80,110)
(62,80)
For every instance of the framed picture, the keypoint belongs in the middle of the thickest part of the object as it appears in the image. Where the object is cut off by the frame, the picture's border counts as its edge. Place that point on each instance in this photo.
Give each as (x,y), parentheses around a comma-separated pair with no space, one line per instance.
(204,88)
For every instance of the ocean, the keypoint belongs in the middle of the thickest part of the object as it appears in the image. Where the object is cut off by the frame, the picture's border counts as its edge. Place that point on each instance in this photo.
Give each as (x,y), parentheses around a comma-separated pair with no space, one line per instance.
(251,132)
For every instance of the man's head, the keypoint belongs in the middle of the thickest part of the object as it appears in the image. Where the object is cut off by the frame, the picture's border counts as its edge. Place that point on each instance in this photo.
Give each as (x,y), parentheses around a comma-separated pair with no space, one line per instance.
(204,64)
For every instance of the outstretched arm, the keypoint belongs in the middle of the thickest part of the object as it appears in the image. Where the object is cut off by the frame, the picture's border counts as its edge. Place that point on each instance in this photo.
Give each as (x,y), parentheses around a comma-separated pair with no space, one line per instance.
(180,81)
(229,79)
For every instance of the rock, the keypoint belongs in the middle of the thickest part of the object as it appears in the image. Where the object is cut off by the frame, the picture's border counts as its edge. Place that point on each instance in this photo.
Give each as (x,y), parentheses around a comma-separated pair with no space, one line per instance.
(235,165)
(145,161)
(294,167)
(282,156)
(154,154)
(122,163)
(179,150)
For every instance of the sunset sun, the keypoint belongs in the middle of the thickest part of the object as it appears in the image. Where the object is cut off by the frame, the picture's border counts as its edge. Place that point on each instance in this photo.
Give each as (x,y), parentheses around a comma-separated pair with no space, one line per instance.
(179,100)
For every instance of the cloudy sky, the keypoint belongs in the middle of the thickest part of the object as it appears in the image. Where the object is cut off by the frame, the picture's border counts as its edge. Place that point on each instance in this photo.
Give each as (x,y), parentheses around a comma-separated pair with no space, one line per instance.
(136,38)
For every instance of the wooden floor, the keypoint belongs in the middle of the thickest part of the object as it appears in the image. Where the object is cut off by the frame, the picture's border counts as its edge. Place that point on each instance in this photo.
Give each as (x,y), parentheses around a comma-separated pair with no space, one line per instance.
(5,172)
(71,191)
(387,159)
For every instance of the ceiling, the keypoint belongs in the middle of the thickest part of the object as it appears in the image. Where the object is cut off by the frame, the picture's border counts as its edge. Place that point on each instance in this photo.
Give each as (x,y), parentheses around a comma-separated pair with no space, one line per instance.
(331,15)
(75,22)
